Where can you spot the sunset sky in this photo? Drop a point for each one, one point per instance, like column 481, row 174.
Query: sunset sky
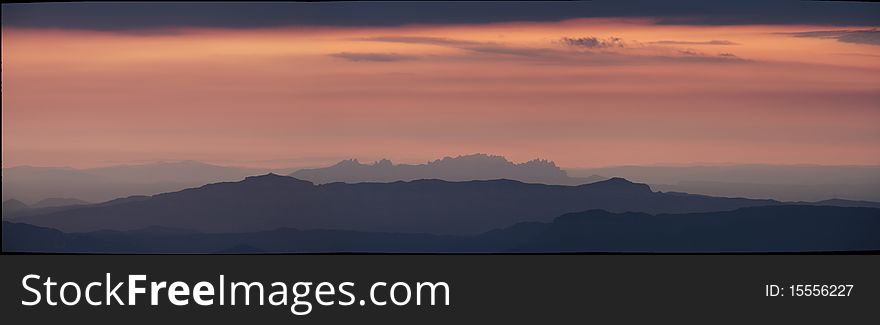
column 582, row 89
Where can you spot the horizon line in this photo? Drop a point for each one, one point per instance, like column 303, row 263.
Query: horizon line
column 404, row 162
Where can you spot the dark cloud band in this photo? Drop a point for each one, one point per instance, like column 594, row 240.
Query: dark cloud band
column 128, row 16
column 869, row 36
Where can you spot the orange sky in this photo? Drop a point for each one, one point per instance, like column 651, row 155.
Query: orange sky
column 289, row 97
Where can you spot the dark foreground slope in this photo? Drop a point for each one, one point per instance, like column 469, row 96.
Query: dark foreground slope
column 425, row 206
column 786, row 228
column 757, row 229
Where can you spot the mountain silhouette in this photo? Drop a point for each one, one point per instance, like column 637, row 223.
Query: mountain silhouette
column 783, row 228
column 461, row 168
column 788, row 228
column 423, row 206
column 32, row 184
column 848, row 203
column 64, row 205
column 12, row 206
column 53, row 202
column 779, row 182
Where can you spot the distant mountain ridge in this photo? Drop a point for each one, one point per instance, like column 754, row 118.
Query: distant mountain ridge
column 13, row 206
column 422, row 206
column 784, row 228
column 33, row 184
column 460, row 168
column 53, row 202
column 779, row 182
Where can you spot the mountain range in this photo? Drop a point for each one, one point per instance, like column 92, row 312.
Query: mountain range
column 33, row 184
column 274, row 213
column 30, row 185
column 783, row 228
column 461, row 168
column 271, row 201
column 780, row 182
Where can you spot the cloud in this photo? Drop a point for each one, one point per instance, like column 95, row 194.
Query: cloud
column 373, row 57
column 522, row 52
column 615, row 50
column 725, row 57
column 694, row 56
column 712, row 42
column 690, row 52
column 594, row 42
column 471, row 46
column 863, row 36
column 633, row 51
column 144, row 15
column 442, row 41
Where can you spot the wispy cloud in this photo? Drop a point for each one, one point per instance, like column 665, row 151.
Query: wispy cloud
column 712, row 42
column 694, row 56
column 565, row 50
column 471, row 46
column 863, row 36
column 442, row 41
column 594, row 42
column 633, row 50
column 373, row 57
column 690, row 52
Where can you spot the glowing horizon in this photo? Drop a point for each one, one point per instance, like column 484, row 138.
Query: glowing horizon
column 582, row 92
